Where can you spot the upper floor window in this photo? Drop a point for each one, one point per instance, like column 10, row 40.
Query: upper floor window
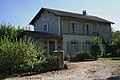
column 73, row 28
column 45, row 27
column 88, row 29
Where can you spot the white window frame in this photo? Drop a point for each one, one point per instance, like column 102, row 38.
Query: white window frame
column 46, row 27
column 89, row 31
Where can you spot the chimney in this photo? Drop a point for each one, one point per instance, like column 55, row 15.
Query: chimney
column 84, row 12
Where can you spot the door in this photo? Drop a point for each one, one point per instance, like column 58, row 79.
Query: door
column 51, row 47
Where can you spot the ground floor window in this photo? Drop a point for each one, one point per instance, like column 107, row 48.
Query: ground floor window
column 87, row 46
column 73, row 46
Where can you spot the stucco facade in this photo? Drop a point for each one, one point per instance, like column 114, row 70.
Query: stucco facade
column 76, row 30
column 51, row 20
column 81, row 38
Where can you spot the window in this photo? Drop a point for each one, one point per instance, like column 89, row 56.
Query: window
column 87, row 46
column 73, row 28
column 74, row 47
column 45, row 27
column 88, row 29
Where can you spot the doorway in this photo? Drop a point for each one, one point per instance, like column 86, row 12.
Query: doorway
column 51, row 47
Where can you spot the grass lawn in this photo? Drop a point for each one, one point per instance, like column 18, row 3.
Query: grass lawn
column 110, row 59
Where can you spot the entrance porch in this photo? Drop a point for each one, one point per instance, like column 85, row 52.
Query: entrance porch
column 50, row 45
column 46, row 41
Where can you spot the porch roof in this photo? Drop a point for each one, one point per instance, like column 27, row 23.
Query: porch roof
column 38, row 34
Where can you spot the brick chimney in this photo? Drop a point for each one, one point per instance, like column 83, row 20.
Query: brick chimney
column 84, row 12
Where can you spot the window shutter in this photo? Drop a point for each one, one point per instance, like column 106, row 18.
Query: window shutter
column 68, row 47
column 94, row 30
column 78, row 28
column 83, row 46
column 70, row 28
column 79, row 46
column 83, row 29
column 66, row 27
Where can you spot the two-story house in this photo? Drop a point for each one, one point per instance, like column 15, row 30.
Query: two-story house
column 72, row 32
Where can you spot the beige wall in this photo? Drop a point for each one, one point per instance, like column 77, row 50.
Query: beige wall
column 80, row 25
column 100, row 28
column 44, row 44
column 105, row 30
column 51, row 19
column 80, row 38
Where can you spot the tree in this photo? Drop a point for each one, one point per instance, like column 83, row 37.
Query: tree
column 9, row 31
column 116, row 39
column 96, row 47
column 116, row 43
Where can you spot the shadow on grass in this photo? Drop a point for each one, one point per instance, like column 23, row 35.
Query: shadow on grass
column 22, row 74
column 114, row 78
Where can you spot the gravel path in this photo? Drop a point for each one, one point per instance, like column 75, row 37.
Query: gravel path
column 94, row 70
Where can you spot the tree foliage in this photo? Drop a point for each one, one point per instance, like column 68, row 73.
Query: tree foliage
column 116, row 43
column 96, row 47
column 116, row 39
column 9, row 31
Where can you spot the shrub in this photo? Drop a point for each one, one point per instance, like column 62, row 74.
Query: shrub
column 19, row 56
column 66, row 58
column 81, row 56
column 51, row 63
column 22, row 55
column 118, row 52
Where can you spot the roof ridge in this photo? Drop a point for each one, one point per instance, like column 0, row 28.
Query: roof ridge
column 69, row 14
column 63, row 11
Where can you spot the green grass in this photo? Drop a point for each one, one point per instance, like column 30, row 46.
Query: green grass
column 104, row 59
column 109, row 59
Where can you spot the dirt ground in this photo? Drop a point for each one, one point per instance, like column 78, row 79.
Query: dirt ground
column 92, row 70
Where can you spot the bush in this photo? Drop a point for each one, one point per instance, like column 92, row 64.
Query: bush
column 19, row 56
column 81, row 56
column 66, row 58
column 22, row 55
column 51, row 63
column 118, row 52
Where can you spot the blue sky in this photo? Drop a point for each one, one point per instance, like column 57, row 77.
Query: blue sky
column 21, row 12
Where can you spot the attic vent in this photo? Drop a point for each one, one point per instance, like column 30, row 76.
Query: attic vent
column 84, row 12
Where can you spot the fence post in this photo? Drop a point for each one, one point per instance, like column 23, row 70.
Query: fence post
column 60, row 56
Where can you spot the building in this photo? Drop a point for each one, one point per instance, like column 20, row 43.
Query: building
column 72, row 32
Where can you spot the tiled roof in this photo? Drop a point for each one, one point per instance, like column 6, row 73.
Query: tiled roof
column 69, row 14
column 40, row 35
